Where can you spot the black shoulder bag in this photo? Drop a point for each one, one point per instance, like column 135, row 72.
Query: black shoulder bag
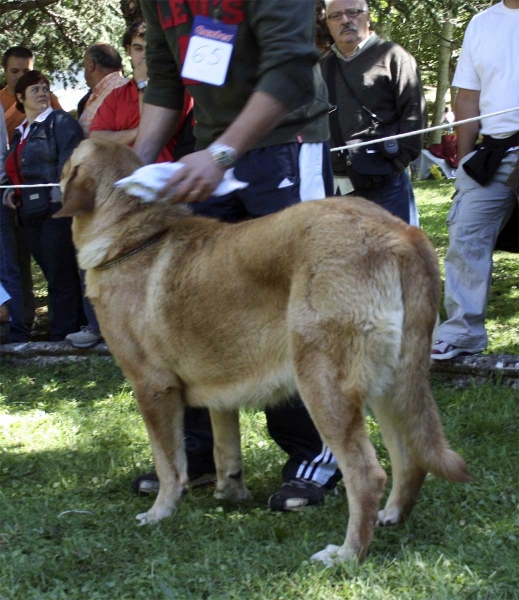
column 368, row 167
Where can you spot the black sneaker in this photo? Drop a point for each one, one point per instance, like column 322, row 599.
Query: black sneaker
column 148, row 484
column 296, row 494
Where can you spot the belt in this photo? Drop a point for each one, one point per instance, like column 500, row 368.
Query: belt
column 508, row 142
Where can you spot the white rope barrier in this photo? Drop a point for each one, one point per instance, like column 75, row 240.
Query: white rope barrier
column 420, row 131
column 32, row 185
column 359, row 145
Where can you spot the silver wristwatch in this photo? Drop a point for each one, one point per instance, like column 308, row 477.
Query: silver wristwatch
column 224, row 156
column 142, row 85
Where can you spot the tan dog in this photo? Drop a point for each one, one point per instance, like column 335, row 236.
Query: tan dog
column 336, row 299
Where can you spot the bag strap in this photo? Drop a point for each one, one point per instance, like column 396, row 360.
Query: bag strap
column 332, row 92
column 335, row 126
column 374, row 118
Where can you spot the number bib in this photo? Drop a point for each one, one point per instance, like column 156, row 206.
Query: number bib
column 209, row 51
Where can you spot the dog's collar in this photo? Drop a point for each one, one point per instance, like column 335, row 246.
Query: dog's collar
column 153, row 240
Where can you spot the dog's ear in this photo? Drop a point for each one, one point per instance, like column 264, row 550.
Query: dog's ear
column 80, row 192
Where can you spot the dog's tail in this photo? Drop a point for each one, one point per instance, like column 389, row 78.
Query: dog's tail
column 416, row 411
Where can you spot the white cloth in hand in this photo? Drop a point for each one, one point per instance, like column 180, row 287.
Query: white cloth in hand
column 148, row 182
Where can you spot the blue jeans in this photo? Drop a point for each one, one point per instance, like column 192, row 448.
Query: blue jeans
column 10, row 278
column 397, row 197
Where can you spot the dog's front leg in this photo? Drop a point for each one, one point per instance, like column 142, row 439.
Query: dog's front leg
column 227, row 455
column 163, row 414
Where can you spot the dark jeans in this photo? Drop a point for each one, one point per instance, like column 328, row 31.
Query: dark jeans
column 50, row 241
column 290, row 425
column 397, row 197
column 23, row 260
column 87, row 306
column 10, row 277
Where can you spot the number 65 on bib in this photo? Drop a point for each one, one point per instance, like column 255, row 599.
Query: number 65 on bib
column 209, row 51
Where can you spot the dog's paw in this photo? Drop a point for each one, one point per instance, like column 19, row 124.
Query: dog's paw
column 336, row 555
column 233, row 494
column 329, row 556
column 144, row 519
column 389, row 517
column 153, row 516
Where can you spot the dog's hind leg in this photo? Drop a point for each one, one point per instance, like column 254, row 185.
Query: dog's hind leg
column 408, row 475
column 227, row 455
column 163, row 414
column 336, row 405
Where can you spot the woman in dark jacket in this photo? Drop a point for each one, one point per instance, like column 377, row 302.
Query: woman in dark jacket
column 40, row 147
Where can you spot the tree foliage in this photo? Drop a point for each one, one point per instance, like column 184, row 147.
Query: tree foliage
column 417, row 26
column 58, row 31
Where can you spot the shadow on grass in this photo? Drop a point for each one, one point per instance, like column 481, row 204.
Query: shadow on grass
column 26, row 388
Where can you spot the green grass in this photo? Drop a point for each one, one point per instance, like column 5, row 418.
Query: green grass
column 71, row 438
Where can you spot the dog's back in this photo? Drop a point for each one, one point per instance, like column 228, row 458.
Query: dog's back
column 236, row 295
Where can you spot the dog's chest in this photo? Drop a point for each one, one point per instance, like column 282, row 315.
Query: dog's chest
column 256, row 388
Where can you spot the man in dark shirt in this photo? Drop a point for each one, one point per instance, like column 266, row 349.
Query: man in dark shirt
column 263, row 111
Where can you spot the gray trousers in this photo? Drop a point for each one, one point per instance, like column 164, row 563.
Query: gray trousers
column 475, row 219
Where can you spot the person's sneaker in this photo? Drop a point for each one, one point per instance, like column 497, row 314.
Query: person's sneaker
column 85, row 338
column 148, row 484
column 444, row 351
column 296, row 494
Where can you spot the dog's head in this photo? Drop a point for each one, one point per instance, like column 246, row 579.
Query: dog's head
column 88, row 175
column 89, row 195
column 78, row 190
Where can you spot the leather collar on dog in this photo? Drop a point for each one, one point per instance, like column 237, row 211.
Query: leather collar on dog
column 153, row 240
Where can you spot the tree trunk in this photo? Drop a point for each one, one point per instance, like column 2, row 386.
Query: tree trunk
column 454, row 90
column 444, row 59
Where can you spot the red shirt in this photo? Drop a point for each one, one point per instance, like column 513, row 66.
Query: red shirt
column 10, row 165
column 120, row 111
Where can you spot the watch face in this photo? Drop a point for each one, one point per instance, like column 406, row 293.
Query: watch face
column 226, row 159
column 223, row 156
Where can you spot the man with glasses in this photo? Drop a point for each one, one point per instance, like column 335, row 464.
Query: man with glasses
column 376, row 87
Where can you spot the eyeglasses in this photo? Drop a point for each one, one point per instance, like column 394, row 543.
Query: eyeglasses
column 351, row 14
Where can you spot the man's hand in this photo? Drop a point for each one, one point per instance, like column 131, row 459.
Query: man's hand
column 10, row 199
column 197, row 180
